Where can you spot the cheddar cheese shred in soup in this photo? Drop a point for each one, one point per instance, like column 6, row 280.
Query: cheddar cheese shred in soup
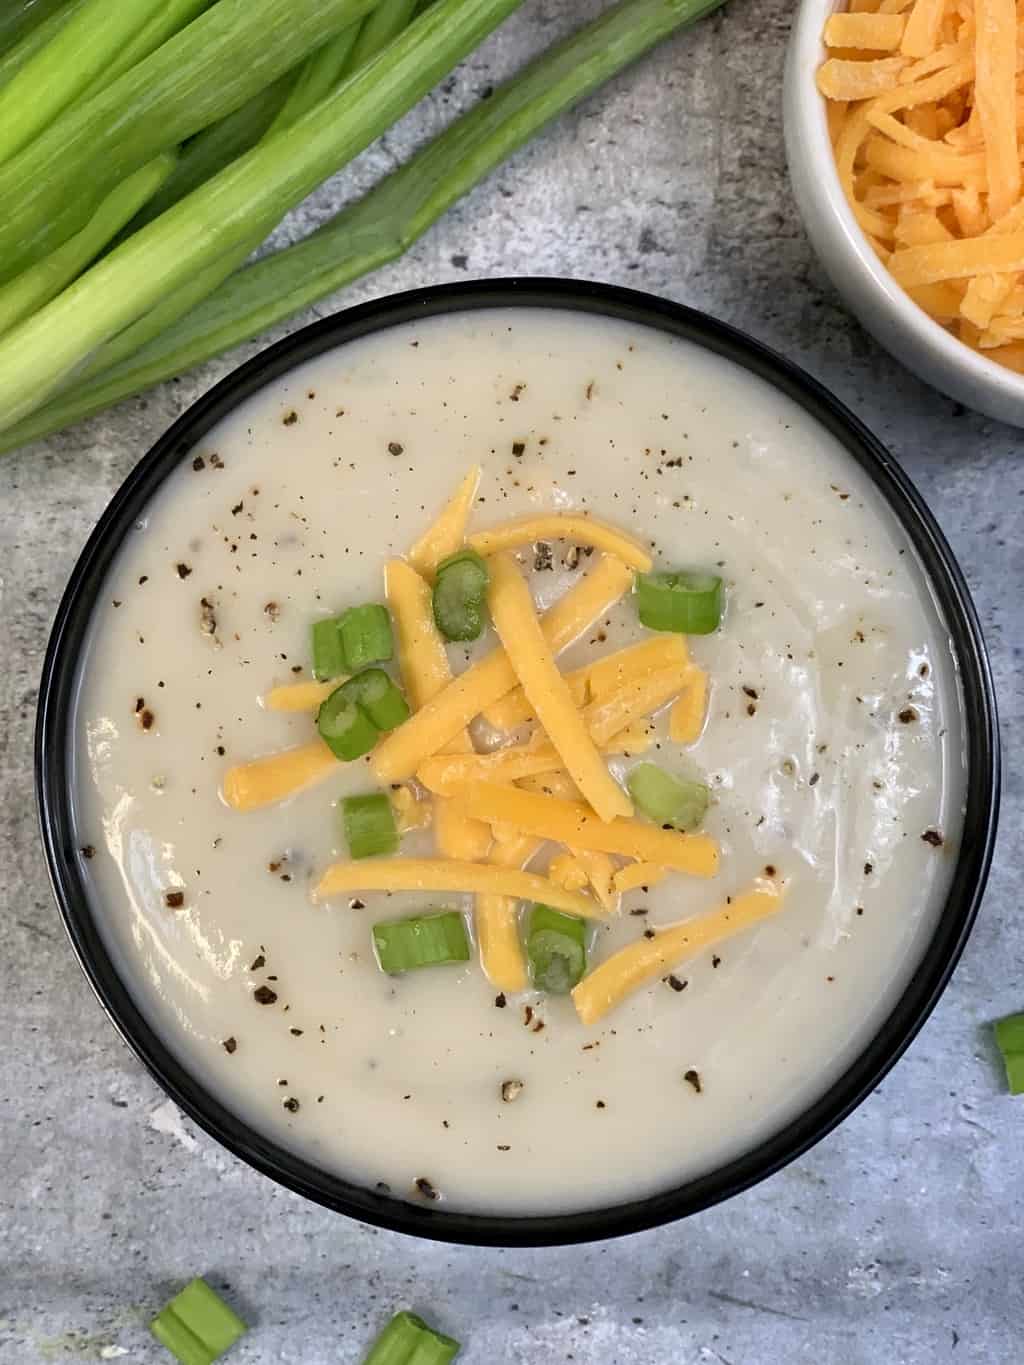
column 519, row 757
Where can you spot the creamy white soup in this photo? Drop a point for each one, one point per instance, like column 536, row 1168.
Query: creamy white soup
column 831, row 747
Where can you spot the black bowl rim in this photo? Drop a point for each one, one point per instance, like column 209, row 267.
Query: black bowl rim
column 894, row 1035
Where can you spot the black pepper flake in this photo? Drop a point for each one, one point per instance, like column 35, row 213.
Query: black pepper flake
column 542, row 557
column 238, row 507
column 527, row 1015
column 600, row 1105
column 263, row 995
column 499, row 1001
column 716, row 960
column 425, row 1188
column 174, row 900
column 183, row 570
column 198, row 463
column 814, row 779
column 751, row 709
column 87, row 851
column 295, row 1032
column 395, row 448
column 518, row 448
column 144, row 578
column 675, row 983
column 750, row 692
column 868, row 869
column 272, row 610
column 146, row 718
column 291, row 1104
column 356, row 904
column 933, row 837
column 908, row 715
column 589, row 390
column 216, row 461
column 230, row 1045
column 769, row 869
column 504, row 1147
column 642, row 910
column 257, row 962
column 290, row 418
column 649, row 933
column 140, row 702
column 517, row 393
column 692, row 1077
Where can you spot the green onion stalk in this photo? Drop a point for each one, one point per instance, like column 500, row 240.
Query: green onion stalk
column 382, row 225
column 236, row 48
column 40, row 352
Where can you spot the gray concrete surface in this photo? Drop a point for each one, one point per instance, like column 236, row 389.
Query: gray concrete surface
column 896, row 1240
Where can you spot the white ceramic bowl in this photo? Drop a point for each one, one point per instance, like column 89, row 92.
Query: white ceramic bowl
column 866, row 286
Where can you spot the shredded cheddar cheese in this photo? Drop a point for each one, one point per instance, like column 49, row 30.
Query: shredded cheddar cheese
column 300, row 696
column 636, row 875
column 449, row 531
column 497, row 919
column 650, row 958
column 927, row 132
column 449, row 874
column 429, row 729
column 516, row 622
column 575, row 825
column 267, row 780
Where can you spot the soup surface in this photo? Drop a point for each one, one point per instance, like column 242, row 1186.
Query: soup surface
column 832, row 748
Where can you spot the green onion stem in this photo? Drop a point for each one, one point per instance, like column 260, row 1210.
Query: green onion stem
column 387, row 221
column 1010, row 1039
column 407, row 1340
column 61, row 70
column 24, row 34
column 44, row 280
column 197, row 1326
column 45, row 348
column 425, row 941
column 170, row 17
column 317, row 76
column 215, row 147
column 379, row 27
column 21, row 17
column 369, row 825
column 210, row 151
column 209, row 68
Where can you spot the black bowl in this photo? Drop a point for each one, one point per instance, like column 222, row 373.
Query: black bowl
column 54, row 739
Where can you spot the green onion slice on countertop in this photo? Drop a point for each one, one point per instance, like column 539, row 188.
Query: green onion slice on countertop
column 667, row 799
column 345, row 727
column 460, row 591
column 555, row 949
column 378, row 696
column 1010, row 1038
column 684, row 602
column 369, row 825
column 407, row 1340
column 423, row 941
column 197, row 1326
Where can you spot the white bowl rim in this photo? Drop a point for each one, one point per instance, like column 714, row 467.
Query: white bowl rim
column 805, row 56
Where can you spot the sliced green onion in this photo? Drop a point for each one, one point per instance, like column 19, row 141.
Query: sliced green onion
column 345, row 727
column 197, row 1326
column 425, row 941
column 366, row 235
column 407, row 1340
column 369, row 824
column 556, row 949
column 460, row 594
column 688, row 603
column 667, row 799
column 378, row 696
column 1010, row 1038
column 328, row 653
column 366, row 635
